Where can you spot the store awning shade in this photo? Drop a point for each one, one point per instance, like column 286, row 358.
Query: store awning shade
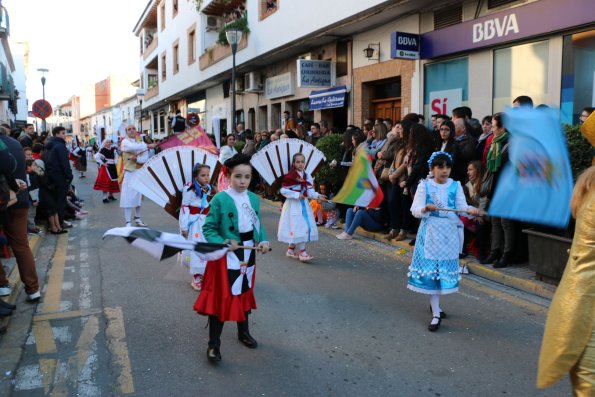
column 328, row 99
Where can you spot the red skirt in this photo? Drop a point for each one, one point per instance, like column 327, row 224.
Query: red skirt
column 216, row 299
column 104, row 182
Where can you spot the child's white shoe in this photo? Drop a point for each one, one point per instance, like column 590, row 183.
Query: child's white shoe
column 291, row 253
column 305, row 257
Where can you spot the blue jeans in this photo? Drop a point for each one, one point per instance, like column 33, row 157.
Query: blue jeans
column 360, row 218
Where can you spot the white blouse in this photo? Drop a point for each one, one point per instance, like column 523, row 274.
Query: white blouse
column 227, row 152
column 242, row 201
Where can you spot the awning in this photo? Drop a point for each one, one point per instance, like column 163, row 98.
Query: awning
column 328, row 99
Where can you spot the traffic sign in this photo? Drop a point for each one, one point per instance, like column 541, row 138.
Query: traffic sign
column 42, row 109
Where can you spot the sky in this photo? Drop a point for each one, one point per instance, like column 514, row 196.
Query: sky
column 79, row 41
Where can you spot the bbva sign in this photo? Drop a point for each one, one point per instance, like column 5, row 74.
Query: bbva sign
column 495, row 27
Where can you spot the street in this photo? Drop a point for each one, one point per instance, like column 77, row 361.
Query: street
column 113, row 321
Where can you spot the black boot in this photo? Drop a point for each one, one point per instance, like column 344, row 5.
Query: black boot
column 492, row 258
column 503, row 262
column 213, row 354
column 244, row 334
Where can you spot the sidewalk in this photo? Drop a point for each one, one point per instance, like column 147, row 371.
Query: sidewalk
column 518, row 276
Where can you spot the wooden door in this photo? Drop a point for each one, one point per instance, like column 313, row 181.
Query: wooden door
column 387, row 108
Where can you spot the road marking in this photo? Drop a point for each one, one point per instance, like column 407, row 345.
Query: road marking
column 28, row 378
column 116, row 343
column 44, row 337
column 84, row 347
column 47, row 368
column 522, row 303
column 65, row 315
column 59, row 388
column 53, row 293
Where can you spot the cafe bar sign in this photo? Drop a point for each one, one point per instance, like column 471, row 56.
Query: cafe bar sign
column 315, row 73
column 279, row 86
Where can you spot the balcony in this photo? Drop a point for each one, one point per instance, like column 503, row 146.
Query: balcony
column 218, row 52
column 152, row 91
column 150, row 47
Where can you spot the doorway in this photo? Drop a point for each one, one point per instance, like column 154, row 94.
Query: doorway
column 387, row 108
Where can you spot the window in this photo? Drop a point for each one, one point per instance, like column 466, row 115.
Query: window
column 267, row 8
column 498, row 3
column 162, row 12
column 163, row 67
column 176, row 58
column 174, row 7
column 578, row 76
column 445, row 85
column 448, row 16
column 342, row 65
column 192, row 44
column 521, row 70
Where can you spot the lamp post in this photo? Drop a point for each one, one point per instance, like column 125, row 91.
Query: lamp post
column 234, row 36
column 140, row 93
column 43, row 71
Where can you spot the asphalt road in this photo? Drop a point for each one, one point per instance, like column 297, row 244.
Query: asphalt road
column 115, row 322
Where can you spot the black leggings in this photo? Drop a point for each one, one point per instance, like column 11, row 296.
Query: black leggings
column 216, row 328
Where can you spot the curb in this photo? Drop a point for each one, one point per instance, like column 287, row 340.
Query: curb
column 14, row 279
column 534, row 287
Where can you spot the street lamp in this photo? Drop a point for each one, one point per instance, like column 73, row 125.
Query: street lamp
column 140, row 93
column 43, row 71
column 234, row 36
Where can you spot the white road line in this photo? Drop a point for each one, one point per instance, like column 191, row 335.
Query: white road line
column 67, row 285
column 28, row 378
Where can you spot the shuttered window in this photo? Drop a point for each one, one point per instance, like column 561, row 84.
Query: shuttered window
column 448, row 16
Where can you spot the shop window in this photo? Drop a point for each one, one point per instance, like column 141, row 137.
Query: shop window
column 390, row 89
column 267, row 8
column 520, row 70
column 342, row 65
column 199, row 107
column 176, row 58
column 446, row 86
column 448, row 16
column 251, row 119
column 226, row 85
column 578, row 76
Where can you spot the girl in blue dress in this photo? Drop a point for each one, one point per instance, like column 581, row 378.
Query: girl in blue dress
column 434, row 268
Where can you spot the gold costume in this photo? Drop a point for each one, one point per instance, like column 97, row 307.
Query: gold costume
column 569, row 338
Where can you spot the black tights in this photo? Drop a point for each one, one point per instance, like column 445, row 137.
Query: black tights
column 216, row 327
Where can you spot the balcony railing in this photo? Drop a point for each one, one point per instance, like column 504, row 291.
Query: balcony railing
column 218, row 52
column 151, row 92
column 150, row 48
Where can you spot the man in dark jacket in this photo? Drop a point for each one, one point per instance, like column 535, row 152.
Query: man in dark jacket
column 29, row 137
column 58, row 169
column 466, row 151
column 16, row 227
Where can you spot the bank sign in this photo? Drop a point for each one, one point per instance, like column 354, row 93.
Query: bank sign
column 534, row 19
column 404, row 45
column 315, row 73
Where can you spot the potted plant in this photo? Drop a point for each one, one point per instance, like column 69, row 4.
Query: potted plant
column 549, row 247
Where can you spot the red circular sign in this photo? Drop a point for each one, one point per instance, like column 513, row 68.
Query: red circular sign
column 42, row 109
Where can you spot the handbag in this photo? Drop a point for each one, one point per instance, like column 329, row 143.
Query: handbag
column 385, row 174
column 7, row 196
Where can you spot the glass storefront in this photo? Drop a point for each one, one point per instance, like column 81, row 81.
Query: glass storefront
column 521, row 70
column 446, row 86
column 578, row 75
column 199, row 107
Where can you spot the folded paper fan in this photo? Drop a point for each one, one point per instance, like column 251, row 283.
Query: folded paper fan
column 163, row 177
column 274, row 160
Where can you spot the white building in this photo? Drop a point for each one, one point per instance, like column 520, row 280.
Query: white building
column 8, row 75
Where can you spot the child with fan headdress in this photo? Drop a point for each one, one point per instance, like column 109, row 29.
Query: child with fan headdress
column 196, row 196
column 434, row 267
column 297, row 225
column 227, row 290
column 107, row 177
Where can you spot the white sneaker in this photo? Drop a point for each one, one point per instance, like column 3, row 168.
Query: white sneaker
column 5, row 290
column 344, row 236
column 128, row 224
column 138, row 222
column 34, row 297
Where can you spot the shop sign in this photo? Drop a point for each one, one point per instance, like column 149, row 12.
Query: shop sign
column 534, row 19
column 443, row 102
column 315, row 73
column 404, row 45
column 328, row 99
column 279, row 86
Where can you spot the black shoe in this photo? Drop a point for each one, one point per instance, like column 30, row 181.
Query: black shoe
column 503, row 262
column 105, row 201
column 492, row 258
column 213, row 354
column 247, row 340
column 442, row 314
column 62, row 231
column 434, row 327
column 412, row 242
column 112, row 198
column 7, row 305
column 4, row 312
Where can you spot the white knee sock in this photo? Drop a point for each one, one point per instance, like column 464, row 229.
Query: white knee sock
column 302, row 246
column 435, row 303
column 104, row 195
column 128, row 214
